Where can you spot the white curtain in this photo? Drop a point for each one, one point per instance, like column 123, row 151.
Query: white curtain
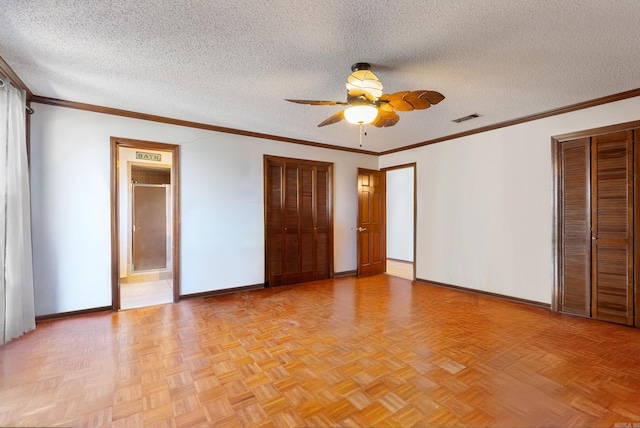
column 17, row 313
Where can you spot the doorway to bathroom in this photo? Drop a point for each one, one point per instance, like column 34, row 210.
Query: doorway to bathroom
column 144, row 232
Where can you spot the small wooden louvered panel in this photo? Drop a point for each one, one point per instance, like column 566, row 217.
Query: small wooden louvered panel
column 298, row 221
column 575, row 217
column 323, row 223
column 307, row 223
column 612, row 226
column 274, row 213
column 291, row 225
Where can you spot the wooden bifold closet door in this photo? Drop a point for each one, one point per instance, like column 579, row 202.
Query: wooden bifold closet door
column 298, row 219
column 597, row 227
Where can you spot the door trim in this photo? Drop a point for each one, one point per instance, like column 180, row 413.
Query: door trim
column 413, row 165
column 555, row 207
column 116, row 143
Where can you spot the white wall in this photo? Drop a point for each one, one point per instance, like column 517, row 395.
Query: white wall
column 484, row 203
column 483, row 222
column 400, row 214
column 221, row 204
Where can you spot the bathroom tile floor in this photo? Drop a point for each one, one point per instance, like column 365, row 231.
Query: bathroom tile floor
column 400, row 268
column 141, row 294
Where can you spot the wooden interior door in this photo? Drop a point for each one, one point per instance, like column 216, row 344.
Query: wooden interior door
column 149, row 234
column 575, row 227
column 371, row 222
column 612, row 227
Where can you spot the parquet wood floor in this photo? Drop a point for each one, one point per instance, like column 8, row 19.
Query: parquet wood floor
column 379, row 351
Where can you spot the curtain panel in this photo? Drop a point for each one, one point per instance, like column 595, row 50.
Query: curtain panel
column 17, row 313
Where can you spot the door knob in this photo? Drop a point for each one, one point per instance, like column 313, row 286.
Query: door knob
column 594, row 238
column 362, row 229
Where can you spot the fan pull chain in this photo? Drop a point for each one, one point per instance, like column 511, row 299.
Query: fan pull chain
column 363, row 130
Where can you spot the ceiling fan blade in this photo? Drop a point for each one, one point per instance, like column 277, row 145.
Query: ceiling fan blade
column 385, row 106
column 433, row 96
column 396, row 100
column 386, row 118
column 333, row 119
column 412, row 100
column 319, row 103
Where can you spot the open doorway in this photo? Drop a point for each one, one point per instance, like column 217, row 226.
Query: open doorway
column 144, row 224
column 400, row 220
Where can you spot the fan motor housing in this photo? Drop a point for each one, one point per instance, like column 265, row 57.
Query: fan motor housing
column 358, row 100
column 360, row 66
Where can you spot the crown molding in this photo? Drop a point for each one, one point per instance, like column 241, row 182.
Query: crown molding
column 561, row 110
column 189, row 124
column 161, row 119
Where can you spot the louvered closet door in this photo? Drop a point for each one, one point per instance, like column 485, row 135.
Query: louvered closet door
column 314, row 222
column 298, row 218
column 597, row 227
column 575, row 227
column 612, row 227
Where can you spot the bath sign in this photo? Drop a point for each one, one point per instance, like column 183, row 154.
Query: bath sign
column 149, row 156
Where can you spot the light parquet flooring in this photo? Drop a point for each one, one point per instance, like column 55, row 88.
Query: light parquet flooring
column 378, row 351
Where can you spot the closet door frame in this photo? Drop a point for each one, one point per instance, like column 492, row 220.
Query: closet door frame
column 556, row 208
column 284, row 161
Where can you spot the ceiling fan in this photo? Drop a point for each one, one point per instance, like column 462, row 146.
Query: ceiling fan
column 367, row 104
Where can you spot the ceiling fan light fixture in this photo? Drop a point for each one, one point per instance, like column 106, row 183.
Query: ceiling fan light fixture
column 361, row 115
column 366, row 104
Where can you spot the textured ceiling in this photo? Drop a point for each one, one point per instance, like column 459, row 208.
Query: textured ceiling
column 231, row 63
